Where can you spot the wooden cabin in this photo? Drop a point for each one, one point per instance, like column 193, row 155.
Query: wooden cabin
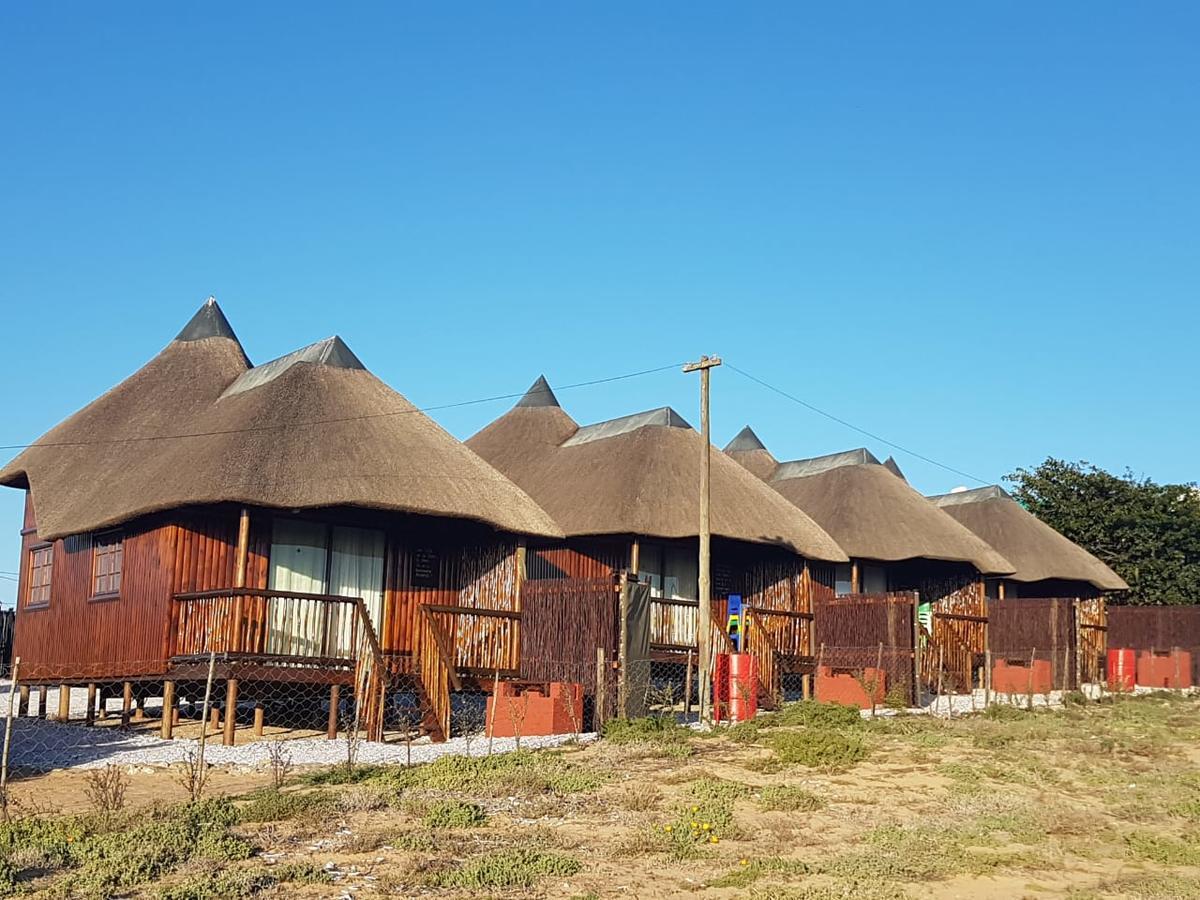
column 897, row 542
column 290, row 527
column 625, row 493
column 1048, row 565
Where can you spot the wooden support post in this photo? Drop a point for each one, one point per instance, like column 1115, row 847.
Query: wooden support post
column 855, row 580
column 259, row 718
column 41, row 704
column 168, row 710
column 126, row 703
column 1000, row 590
column 139, row 710
column 214, row 718
column 704, row 582
column 599, row 701
column 90, row 716
column 335, row 698
column 239, row 581
column 805, row 687
column 101, row 702
column 635, row 555
column 64, row 702
column 687, row 689
column 231, row 695
column 23, row 702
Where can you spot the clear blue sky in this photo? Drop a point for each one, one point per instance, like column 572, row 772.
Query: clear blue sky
column 974, row 231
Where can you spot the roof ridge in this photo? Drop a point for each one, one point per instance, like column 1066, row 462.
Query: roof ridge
column 539, row 395
column 331, row 352
column 208, row 321
column 973, row 495
column 815, row 465
column 662, row 416
column 745, row 440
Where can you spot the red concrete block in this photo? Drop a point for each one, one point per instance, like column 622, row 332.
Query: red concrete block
column 1014, row 676
column 537, row 709
column 1164, row 669
column 1122, row 669
column 735, row 687
column 842, row 686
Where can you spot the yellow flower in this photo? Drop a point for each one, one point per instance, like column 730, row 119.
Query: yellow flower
column 713, row 839
column 666, row 828
column 695, row 809
column 695, row 824
column 743, row 862
column 706, row 826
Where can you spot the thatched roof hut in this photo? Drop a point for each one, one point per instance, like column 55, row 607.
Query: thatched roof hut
column 637, row 475
column 314, row 428
column 1038, row 552
column 867, row 507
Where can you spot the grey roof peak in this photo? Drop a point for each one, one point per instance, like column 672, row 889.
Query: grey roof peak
column 894, row 467
column 745, row 440
column 801, row 468
column 976, row 495
column 331, row 352
column 538, row 395
column 208, row 322
column 663, row 417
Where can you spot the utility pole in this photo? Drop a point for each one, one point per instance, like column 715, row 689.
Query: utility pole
column 704, row 612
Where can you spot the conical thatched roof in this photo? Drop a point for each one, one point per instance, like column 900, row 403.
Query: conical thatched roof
column 871, row 513
column 749, row 451
column 1037, row 550
column 638, row 475
column 313, row 428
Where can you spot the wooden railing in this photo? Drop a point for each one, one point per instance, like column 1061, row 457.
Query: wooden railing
column 770, row 634
column 286, row 628
column 455, row 640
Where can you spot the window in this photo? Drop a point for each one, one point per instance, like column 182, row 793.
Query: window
column 107, row 555
column 312, row 558
column 41, row 568
column 672, row 571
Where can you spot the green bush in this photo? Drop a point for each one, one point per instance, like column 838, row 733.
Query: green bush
column 819, row 748
column 520, row 867
column 240, row 883
column 271, row 805
column 646, row 730
column 455, row 814
column 788, row 798
column 814, row 715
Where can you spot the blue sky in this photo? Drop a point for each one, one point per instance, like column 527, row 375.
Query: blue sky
column 973, row 231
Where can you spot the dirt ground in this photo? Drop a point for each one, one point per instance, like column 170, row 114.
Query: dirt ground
column 1097, row 800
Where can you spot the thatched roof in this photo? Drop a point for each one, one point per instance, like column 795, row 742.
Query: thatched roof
column 638, row 475
column 313, row 428
column 1037, row 550
column 869, row 511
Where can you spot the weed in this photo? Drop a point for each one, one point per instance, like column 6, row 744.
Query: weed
column 280, row 760
column 663, row 734
column 455, row 814
column 719, row 790
column 105, row 790
column 820, row 748
column 814, row 715
column 270, row 805
column 512, row 868
column 1164, row 849
column 239, row 883
column 788, row 798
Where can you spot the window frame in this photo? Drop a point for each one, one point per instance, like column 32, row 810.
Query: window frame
column 29, row 585
column 113, row 536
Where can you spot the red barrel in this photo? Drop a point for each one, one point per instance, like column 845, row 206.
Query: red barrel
column 1122, row 669
column 743, row 686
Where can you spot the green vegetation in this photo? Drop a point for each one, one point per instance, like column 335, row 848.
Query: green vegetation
column 513, row 868
column 455, row 814
column 241, row 883
column 820, row 748
column 788, row 798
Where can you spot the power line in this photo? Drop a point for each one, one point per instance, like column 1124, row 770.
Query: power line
column 853, row 427
column 314, row 422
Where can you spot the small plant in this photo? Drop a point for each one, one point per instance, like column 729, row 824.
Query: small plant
column 815, row 714
column 408, row 723
column 820, row 748
column 520, row 867
column 455, row 814
column 193, row 775
column 518, row 707
column 351, row 741
column 574, row 716
column 788, row 798
column 471, row 724
column 105, row 791
column 280, row 760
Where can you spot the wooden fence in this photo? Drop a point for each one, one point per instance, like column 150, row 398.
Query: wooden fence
column 1156, row 628
column 859, row 631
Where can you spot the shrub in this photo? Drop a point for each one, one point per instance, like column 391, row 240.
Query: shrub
column 815, row 715
column 788, row 798
column 271, row 805
column 455, row 814
column 238, row 883
column 820, row 748
column 520, row 867
column 649, row 730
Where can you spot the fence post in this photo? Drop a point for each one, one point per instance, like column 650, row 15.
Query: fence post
column 687, row 689
column 916, row 625
column 212, row 664
column 16, row 670
column 598, row 702
column 623, row 670
column 168, row 710
column 987, row 677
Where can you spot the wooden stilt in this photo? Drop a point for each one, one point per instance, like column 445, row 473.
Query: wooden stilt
column 41, row 706
column 90, row 715
column 126, row 703
column 231, row 693
column 101, row 702
column 23, row 702
column 169, row 710
column 806, row 687
column 214, row 718
column 139, row 711
column 331, row 727
column 64, row 702
column 259, row 716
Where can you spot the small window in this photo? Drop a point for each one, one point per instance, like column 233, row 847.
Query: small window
column 106, row 565
column 41, row 568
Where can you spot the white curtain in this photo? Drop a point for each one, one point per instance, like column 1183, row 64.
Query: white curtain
column 681, row 567
column 298, row 558
column 356, row 570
